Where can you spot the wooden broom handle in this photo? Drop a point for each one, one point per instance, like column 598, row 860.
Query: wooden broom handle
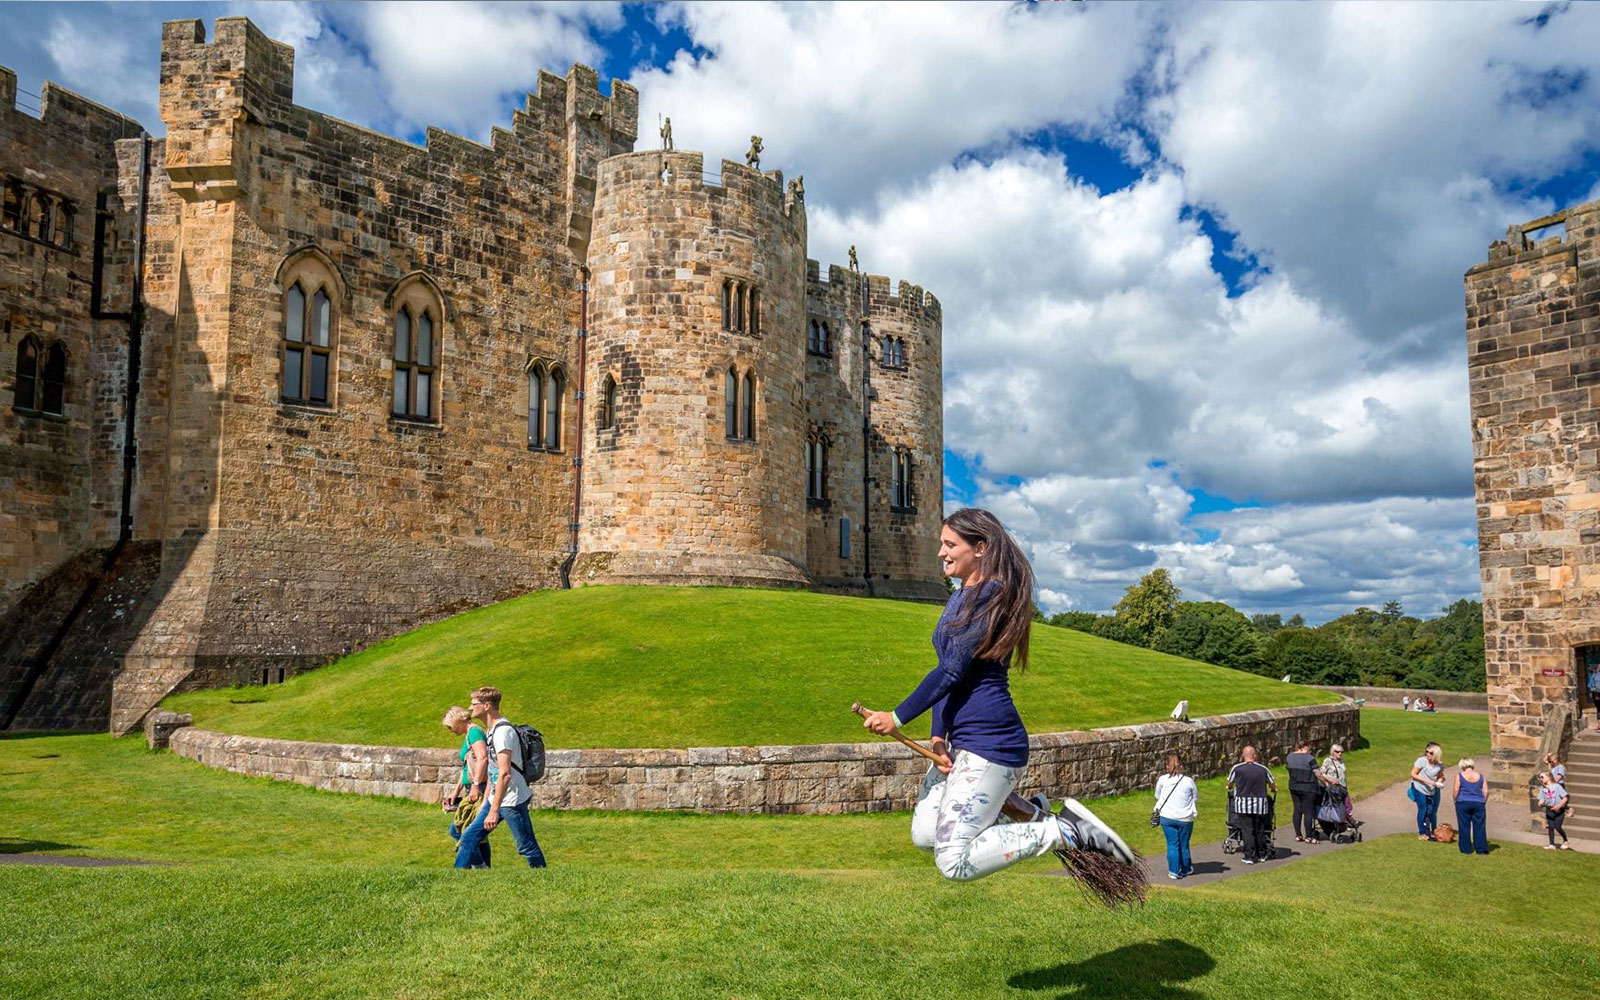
column 1015, row 807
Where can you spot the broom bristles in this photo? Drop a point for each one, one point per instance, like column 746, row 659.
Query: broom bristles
column 1105, row 880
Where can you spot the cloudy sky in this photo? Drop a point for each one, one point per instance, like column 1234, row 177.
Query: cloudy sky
column 1201, row 264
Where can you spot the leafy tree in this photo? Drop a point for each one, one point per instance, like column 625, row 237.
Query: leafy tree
column 1391, row 611
column 1310, row 657
column 1111, row 627
column 1148, row 607
column 1266, row 624
column 1080, row 621
column 1212, row 632
column 1295, row 621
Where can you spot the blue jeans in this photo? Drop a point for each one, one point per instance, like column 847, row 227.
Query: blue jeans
column 1471, row 837
column 1427, row 814
column 521, row 827
column 482, row 860
column 1177, row 833
column 472, row 842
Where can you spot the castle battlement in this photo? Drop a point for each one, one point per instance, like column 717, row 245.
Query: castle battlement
column 840, row 292
column 66, row 116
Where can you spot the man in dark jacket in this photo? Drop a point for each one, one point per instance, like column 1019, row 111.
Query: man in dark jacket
column 1253, row 789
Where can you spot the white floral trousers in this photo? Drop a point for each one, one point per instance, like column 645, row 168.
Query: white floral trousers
column 958, row 819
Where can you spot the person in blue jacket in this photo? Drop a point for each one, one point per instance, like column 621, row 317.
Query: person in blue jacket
column 981, row 636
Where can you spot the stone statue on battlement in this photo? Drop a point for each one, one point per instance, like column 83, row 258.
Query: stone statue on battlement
column 753, row 158
column 666, row 135
column 855, row 262
column 797, row 187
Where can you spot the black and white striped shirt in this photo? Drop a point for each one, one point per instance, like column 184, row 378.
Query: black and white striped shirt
column 1250, row 782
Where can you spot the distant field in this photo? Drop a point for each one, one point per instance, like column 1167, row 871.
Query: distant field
column 680, row 667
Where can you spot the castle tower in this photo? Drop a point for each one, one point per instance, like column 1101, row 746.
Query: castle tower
column 1533, row 350
column 694, row 468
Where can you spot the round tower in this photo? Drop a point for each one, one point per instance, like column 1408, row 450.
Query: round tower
column 694, row 444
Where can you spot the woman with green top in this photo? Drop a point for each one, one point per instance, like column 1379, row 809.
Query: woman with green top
column 475, row 777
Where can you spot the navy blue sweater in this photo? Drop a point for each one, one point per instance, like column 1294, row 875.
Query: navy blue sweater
column 970, row 698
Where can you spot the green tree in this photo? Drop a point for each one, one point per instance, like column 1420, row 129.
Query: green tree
column 1295, row 621
column 1391, row 611
column 1111, row 627
column 1266, row 624
column 1310, row 657
column 1080, row 621
column 1148, row 607
column 1212, row 632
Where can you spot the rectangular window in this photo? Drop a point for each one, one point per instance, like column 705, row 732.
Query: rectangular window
column 844, row 538
column 401, row 377
column 319, row 377
column 293, row 373
column 424, row 406
column 425, row 340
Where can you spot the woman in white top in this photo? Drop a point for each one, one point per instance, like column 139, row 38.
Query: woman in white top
column 1176, row 797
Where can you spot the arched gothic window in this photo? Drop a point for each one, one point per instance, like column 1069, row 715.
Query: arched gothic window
column 535, row 405
column 748, row 424
column 307, row 346
column 11, row 216
column 727, row 305
column 608, row 405
column 738, row 306
column 902, row 495
column 310, row 335
column 731, row 402
column 55, row 380
column 64, row 217
column 25, row 395
column 812, row 333
column 826, row 347
column 817, row 467
column 417, row 319
column 41, row 216
column 555, row 394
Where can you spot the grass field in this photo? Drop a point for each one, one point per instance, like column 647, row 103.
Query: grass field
column 279, row 891
column 678, row 667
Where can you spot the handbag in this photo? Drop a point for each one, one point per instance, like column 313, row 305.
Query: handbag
column 1155, row 814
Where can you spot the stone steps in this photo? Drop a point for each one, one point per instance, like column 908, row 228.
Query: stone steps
column 1583, row 787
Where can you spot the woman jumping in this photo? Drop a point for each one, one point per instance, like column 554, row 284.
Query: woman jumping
column 976, row 729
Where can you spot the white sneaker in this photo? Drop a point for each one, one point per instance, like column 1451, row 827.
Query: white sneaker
column 1249, row 861
column 1549, row 847
column 1174, row 876
column 1082, row 829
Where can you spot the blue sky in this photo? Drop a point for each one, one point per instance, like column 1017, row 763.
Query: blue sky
column 1200, row 264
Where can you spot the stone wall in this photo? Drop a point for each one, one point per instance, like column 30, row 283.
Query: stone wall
column 1464, row 701
column 1533, row 350
column 822, row 779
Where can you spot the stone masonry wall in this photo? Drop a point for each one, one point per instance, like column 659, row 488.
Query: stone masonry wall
column 60, row 475
column 822, row 779
column 833, row 410
column 1533, row 349
column 296, row 531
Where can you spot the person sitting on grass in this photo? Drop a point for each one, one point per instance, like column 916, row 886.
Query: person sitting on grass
column 508, row 798
column 467, row 798
column 1553, row 796
column 1471, row 801
column 1426, row 781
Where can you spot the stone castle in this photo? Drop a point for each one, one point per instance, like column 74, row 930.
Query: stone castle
column 275, row 386
column 1533, row 349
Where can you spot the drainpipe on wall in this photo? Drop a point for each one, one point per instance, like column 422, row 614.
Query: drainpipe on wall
column 134, row 317
column 866, row 437
column 577, row 459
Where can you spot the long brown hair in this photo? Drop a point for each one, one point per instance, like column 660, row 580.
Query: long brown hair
column 1174, row 764
column 1010, row 612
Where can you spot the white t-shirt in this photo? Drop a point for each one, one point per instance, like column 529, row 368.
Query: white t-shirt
column 503, row 738
column 1426, row 769
column 1180, row 804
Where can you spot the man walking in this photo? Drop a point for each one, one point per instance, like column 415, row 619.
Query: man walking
column 1253, row 788
column 508, row 797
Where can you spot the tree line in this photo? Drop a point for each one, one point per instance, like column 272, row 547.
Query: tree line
column 1383, row 648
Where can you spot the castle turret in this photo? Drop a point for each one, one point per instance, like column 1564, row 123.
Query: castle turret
column 694, row 464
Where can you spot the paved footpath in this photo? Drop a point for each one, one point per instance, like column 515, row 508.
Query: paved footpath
column 1388, row 811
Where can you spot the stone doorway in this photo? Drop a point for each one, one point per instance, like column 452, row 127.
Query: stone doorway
column 1588, row 664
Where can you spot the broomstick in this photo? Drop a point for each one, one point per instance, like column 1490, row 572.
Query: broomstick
column 1102, row 878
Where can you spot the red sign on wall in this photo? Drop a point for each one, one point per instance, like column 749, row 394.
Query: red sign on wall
column 1552, row 672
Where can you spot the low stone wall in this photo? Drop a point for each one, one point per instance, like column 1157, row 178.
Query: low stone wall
column 820, row 779
column 1464, row 701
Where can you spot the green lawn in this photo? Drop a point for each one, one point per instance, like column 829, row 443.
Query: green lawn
column 694, row 666
column 280, row 891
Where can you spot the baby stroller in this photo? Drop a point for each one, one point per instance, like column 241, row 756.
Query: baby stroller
column 1336, row 817
column 1234, row 842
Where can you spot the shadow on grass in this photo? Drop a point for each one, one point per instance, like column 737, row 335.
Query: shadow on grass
column 1147, row 971
column 16, row 845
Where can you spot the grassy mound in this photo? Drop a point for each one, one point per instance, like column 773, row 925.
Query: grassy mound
column 680, row 667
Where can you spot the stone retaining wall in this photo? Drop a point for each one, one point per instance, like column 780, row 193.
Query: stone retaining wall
column 820, row 779
column 1465, row 701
